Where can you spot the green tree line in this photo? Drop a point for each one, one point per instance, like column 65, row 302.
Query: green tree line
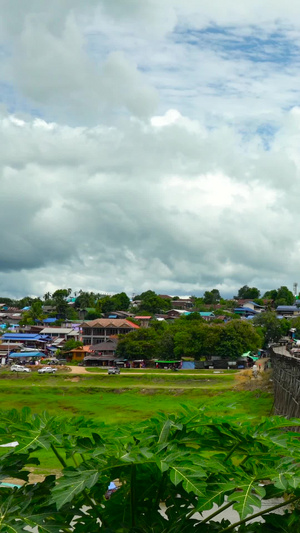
column 190, row 337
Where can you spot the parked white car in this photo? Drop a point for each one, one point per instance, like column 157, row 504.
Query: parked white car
column 47, row 370
column 19, row 368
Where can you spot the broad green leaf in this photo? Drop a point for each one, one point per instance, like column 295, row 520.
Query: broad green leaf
column 248, row 496
column 215, row 495
column 73, row 482
column 190, row 479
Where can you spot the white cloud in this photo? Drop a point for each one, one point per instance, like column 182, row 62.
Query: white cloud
column 149, row 144
column 86, row 210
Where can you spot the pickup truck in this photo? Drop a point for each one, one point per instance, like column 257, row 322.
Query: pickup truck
column 113, row 370
column 47, row 370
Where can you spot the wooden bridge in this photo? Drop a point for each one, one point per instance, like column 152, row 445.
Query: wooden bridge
column 286, row 378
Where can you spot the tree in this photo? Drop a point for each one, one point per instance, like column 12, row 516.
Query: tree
column 59, row 298
column 271, row 326
column 284, row 297
column 271, row 295
column 247, row 293
column 139, row 344
column 33, row 314
column 236, row 338
column 152, row 303
column 85, row 299
column 121, row 301
column 211, row 297
column 71, row 345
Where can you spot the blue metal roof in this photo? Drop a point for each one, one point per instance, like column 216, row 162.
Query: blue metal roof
column 287, row 308
column 256, row 305
column 49, row 320
column 24, row 337
column 246, row 309
column 26, row 354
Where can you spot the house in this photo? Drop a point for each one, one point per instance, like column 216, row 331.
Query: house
column 61, row 333
column 184, row 303
column 85, row 311
column 245, row 311
column 79, row 353
column 144, row 320
column 102, row 354
column 101, row 329
column 248, row 304
column 175, row 313
column 7, row 347
column 118, row 314
column 288, row 310
column 207, row 315
column 30, row 340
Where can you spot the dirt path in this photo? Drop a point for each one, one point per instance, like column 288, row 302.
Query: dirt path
column 82, row 370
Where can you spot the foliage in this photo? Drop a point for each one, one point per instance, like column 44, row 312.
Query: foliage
column 284, row 296
column 281, row 296
column 190, row 336
column 152, row 303
column 33, row 314
column 211, row 297
column 236, row 338
column 248, row 293
column 272, row 328
column 191, row 462
column 71, row 345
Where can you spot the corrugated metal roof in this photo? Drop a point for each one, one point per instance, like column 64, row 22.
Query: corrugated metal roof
column 23, row 337
column 63, row 331
column 287, row 308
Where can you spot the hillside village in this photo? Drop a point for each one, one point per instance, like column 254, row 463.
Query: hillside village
column 149, row 329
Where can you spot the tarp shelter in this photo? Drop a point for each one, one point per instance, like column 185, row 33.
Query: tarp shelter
column 188, row 365
column 248, row 354
column 26, row 354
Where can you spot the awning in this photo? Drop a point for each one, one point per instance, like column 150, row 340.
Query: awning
column 246, row 354
column 156, row 361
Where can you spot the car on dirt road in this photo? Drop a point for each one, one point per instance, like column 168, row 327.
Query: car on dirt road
column 19, row 368
column 113, row 370
column 47, row 370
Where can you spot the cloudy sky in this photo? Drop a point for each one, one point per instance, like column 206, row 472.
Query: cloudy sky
column 149, row 144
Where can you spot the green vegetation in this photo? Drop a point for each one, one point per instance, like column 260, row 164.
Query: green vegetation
column 189, row 336
column 191, row 462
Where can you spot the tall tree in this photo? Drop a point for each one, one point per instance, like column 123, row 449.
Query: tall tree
column 284, row 296
column 246, row 293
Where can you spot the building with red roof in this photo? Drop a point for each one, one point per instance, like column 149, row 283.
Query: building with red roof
column 101, row 329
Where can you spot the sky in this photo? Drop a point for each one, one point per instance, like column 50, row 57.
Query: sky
column 149, row 145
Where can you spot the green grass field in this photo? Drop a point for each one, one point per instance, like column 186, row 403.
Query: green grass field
column 117, row 399
column 127, row 398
